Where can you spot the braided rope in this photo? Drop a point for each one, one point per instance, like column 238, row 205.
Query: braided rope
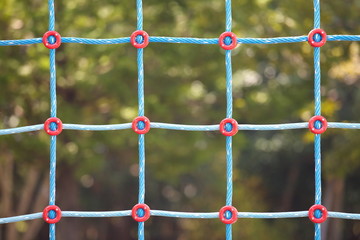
column 172, row 214
column 154, row 39
column 182, row 127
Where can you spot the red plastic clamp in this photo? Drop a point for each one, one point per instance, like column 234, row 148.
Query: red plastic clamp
column 46, row 214
column 47, row 126
column 222, row 40
column 144, row 207
column 234, row 129
column 234, row 214
column 46, row 41
column 139, row 33
column 311, row 35
column 143, row 119
column 324, row 124
column 324, row 213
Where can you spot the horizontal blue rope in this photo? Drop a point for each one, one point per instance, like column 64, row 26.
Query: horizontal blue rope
column 183, row 127
column 124, row 213
column 109, row 127
column 184, row 40
column 351, row 216
column 173, row 214
column 20, row 42
column 344, row 125
column 180, row 40
column 180, row 127
column 95, row 41
column 297, row 214
column 21, row 129
column 343, row 38
column 270, row 127
column 272, row 40
column 21, row 218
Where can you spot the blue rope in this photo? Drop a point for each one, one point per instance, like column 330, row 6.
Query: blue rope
column 52, row 170
column 154, row 39
column 139, row 15
column 95, row 41
column 174, row 214
column 229, row 166
column 179, row 127
column 343, row 38
column 229, row 99
column 140, row 64
column 141, row 168
column 52, row 177
column 228, row 16
column 317, row 147
column 229, row 110
column 316, row 13
column 317, row 81
column 317, row 102
column 141, row 106
column 20, row 42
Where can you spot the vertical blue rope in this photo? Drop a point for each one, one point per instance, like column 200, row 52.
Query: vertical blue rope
column 317, row 146
column 228, row 231
column 52, row 174
column 141, row 109
column 229, row 183
column 228, row 17
column 317, row 149
column 140, row 65
column 228, row 66
column 141, row 231
column 139, row 14
column 53, row 103
column 316, row 13
column 52, row 182
column 51, row 8
column 229, row 186
column 317, row 102
column 229, row 111
column 141, row 168
column 317, row 81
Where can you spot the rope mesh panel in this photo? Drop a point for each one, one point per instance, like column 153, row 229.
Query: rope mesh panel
column 141, row 212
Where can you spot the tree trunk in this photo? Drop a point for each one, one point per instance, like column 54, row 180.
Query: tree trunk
column 68, row 199
column 39, row 203
column 332, row 229
column 7, row 187
column 290, row 188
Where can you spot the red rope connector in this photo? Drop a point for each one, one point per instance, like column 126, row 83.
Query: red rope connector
column 234, row 214
column 311, row 39
column 234, row 129
column 46, row 214
column 136, row 128
column 324, row 213
column 146, row 210
column 45, row 39
column 233, row 40
column 58, row 129
column 145, row 41
column 324, row 124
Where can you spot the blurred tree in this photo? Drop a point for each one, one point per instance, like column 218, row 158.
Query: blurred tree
column 183, row 84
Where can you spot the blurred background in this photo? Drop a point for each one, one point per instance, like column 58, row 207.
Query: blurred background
column 185, row 84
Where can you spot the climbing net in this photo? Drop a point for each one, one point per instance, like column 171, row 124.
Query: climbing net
column 141, row 125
